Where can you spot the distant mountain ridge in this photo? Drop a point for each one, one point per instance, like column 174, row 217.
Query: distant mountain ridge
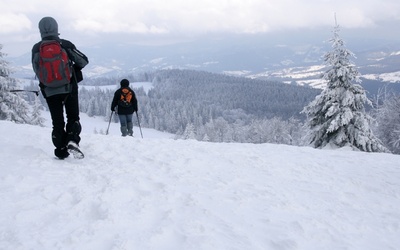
column 295, row 62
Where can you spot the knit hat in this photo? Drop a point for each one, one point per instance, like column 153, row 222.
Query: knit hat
column 124, row 83
column 48, row 27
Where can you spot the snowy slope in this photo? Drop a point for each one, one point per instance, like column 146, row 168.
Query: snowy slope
column 160, row 193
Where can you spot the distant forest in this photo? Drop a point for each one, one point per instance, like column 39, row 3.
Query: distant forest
column 210, row 107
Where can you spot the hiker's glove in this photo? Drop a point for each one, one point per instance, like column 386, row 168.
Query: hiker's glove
column 76, row 67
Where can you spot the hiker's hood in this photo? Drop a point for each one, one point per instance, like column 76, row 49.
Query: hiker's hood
column 48, row 27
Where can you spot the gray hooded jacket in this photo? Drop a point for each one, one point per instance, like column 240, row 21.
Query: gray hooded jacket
column 48, row 28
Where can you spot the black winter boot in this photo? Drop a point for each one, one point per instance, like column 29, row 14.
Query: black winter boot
column 73, row 148
column 61, row 153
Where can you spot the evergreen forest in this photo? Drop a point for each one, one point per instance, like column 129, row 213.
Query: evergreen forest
column 207, row 106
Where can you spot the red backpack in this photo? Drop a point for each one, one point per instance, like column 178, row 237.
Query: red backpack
column 54, row 67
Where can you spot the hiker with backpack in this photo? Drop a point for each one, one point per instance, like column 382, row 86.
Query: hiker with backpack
column 125, row 100
column 57, row 64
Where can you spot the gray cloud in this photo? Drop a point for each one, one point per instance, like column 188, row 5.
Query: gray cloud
column 175, row 19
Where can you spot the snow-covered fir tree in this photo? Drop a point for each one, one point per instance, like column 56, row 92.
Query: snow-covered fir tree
column 12, row 106
column 189, row 132
column 387, row 115
column 37, row 118
column 337, row 116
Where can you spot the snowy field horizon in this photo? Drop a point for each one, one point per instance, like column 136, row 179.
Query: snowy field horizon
column 161, row 193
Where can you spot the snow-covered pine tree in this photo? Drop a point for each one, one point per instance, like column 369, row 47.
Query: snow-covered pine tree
column 189, row 133
column 387, row 115
column 337, row 116
column 12, row 106
column 37, row 118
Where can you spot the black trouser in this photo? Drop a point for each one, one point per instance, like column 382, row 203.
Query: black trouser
column 60, row 135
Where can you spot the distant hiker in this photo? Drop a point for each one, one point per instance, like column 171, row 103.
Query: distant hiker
column 58, row 64
column 126, row 101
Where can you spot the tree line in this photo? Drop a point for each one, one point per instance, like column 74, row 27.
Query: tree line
column 220, row 108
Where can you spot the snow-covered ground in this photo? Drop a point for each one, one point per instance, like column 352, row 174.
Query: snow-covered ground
column 161, row 193
column 393, row 77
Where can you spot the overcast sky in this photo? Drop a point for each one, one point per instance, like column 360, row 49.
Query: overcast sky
column 88, row 22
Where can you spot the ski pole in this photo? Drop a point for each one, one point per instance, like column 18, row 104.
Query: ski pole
column 109, row 122
column 23, row 90
column 139, row 124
